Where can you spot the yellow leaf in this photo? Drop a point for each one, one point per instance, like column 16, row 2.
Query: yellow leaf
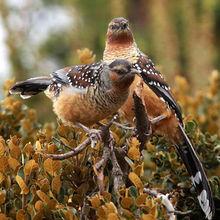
column 30, row 166
column 2, row 177
column 107, row 196
column 38, row 146
column 2, row 149
column 110, row 208
column 3, row 164
column 13, row 145
column 140, row 200
column 135, row 180
column 95, row 201
column 56, row 184
column 43, row 196
column 139, row 169
column 52, row 204
column 86, row 56
column 112, row 216
column 134, row 142
column 52, row 166
column 22, row 185
column 28, row 149
column 21, row 215
column 3, row 216
column 126, row 202
column 38, row 205
column 13, row 163
column 148, row 217
column 134, row 153
column 2, row 196
column 69, row 215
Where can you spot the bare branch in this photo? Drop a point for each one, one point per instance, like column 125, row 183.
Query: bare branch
column 71, row 153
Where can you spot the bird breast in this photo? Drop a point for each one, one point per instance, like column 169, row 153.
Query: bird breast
column 89, row 106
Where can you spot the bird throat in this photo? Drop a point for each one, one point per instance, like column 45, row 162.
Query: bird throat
column 120, row 50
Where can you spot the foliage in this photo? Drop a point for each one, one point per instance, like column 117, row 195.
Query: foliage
column 36, row 187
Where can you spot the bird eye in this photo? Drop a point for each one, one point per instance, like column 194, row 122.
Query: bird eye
column 113, row 27
column 121, row 72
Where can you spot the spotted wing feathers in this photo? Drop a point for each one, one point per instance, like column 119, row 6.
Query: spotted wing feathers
column 154, row 79
column 80, row 77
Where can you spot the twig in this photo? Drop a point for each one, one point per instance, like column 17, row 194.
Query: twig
column 71, row 153
column 143, row 124
column 123, row 126
column 165, row 201
column 60, row 142
column 116, row 173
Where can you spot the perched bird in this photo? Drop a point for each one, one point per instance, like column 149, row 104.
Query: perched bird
column 83, row 94
column 158, row 100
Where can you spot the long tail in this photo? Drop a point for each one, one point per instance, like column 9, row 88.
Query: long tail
column 30, row 87
column 198, row 175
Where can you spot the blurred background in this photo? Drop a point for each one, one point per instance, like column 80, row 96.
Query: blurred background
column 37, row 37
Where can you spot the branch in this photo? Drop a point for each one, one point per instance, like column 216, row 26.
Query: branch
column 71, row 153
column 143, row 124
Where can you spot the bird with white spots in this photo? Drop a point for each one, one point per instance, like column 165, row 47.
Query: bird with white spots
column 83, row 94
column 159, row 101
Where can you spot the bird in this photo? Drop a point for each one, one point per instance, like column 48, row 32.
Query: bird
column 83, row 94
column 159, row 101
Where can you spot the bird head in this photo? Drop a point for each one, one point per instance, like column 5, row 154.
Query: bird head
column 121, row 73
column 119, row 31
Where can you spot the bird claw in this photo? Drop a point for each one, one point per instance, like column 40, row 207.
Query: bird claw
column 95, row 136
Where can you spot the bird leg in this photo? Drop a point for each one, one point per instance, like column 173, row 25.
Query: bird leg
column 94, row 134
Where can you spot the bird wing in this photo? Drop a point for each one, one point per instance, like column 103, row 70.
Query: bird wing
column 79, row 76
column 154, row 79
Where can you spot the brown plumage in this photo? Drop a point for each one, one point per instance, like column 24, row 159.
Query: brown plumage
column 83, row 94
column 159, row 100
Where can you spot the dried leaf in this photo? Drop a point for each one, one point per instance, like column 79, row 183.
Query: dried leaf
column 13, row 163
column 28, row 150
column 3, row 216
column 95, row 201
column 86, row 56
column 43, row 196
column 56, row 184
column 21, row 215
column 2, row 149
column 134, row 153
column 3, row 164
column 2, row 177
column 38, row 146
column 148, row 217
column 13, row 145
column 2, row 196
column 38, row 205
column 22, row 185
column 52, row 166
column 126, row 202
column 112, row 216
column 30, row 166
column 135, row 180
column 140, row 200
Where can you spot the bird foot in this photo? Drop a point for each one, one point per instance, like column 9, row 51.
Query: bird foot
column 94, row 134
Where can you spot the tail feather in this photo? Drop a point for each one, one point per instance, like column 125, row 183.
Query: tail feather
column 30, row 87
column 198, row 176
